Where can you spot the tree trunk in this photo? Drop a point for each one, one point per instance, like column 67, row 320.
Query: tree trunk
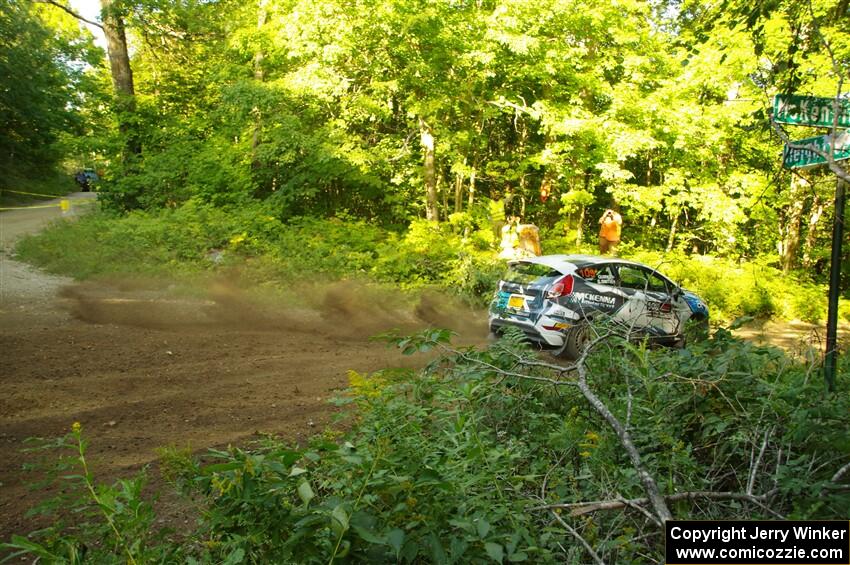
column 430, row 172
column 672, row 237
column 259, row 76
column 458, row 193
column 443, row 190
column 580, row 229
column 793, row 220
column 549, row 174
column 471, row 188
column 122, row 75
column 812, row 232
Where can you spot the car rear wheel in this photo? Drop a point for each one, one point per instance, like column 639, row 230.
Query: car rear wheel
column 575, row 340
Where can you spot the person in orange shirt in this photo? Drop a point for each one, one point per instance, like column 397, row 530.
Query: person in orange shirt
column 610, row 225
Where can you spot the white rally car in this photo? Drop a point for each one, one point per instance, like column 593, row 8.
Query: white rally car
column 553, row 298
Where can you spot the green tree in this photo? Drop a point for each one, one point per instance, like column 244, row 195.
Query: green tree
column 42, row 63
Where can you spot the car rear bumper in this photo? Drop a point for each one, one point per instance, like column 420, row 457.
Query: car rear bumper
column 541, row 336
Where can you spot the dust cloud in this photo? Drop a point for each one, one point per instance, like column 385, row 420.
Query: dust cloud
column 347, row 309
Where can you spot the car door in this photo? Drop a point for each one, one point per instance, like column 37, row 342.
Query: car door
column 660, row 307
column 633, row 282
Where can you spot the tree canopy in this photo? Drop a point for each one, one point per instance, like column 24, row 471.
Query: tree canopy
column 396, row 110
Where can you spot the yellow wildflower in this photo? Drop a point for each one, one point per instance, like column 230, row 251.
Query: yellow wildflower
column 237, row 239
column 76, row 427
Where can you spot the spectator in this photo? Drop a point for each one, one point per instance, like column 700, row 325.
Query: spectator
column 610, row 225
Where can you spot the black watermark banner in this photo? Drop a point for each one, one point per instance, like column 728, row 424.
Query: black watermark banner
column 758, row 542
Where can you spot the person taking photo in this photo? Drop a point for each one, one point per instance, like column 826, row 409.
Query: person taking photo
column 610, row 225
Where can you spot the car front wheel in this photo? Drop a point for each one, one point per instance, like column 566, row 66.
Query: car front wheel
column 696, row 329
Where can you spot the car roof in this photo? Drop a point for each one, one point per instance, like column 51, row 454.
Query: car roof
column 568, row 263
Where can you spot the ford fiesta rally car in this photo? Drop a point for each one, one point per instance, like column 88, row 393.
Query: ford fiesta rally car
column 552, row 298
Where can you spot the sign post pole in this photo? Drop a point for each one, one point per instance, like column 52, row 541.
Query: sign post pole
column 813, row 111
column 834, row 278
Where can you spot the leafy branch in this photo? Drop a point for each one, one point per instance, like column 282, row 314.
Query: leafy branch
column 65, row 8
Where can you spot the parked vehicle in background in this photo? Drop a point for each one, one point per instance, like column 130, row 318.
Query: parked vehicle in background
column 553, row 299
column 86, row 179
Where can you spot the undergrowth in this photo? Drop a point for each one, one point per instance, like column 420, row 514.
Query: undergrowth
column 473, row 460
column 458, row 256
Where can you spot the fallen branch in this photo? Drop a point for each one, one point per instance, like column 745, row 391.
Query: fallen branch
column 659, row 506
column 581, row 508
column 840, row 473
column 657, row 501
column 755, row 466
column 581, row 540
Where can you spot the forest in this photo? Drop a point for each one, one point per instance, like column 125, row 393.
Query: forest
column 387, row 141
column 393, row 112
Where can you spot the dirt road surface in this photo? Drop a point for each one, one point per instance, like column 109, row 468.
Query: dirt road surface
column 141, row 365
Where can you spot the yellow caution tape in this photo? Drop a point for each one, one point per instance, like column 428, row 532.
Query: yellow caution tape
column 32, row 193
column 32, row 207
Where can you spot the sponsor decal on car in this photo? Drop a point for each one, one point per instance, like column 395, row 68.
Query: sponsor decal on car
column 593, row 298
column 656, row 309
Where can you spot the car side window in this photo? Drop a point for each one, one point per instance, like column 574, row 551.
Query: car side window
column 630, row 277
column 656, row 283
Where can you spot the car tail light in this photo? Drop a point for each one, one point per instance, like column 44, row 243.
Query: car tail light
column 562, row 287
column 666, row 307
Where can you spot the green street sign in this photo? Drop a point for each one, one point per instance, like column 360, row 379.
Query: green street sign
column 793, row 158
column 809, row 111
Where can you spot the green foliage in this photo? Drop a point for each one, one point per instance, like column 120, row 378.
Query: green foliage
column 42, row 58
column 203, row 171
column 109, row 523
column 453, row 464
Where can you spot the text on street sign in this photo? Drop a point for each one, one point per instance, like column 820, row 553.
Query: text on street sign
column 810, row 110
column 799, row 157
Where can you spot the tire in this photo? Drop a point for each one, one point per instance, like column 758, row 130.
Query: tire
column 493, row 335
column 575, row 340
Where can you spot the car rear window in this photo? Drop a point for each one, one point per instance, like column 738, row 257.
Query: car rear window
column 528, row 273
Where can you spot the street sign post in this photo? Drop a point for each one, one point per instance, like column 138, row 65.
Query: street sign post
column 829, row 361
column 813, row 111
column 810, row 111
column 798, row 158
